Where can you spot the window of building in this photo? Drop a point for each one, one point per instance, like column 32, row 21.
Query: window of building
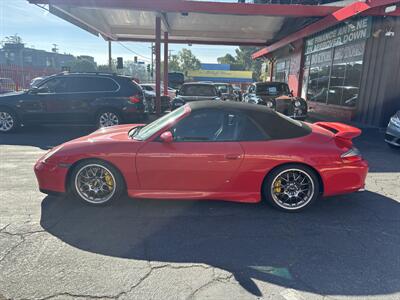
column 318, row 81
column 333, row 76
column 281, row 71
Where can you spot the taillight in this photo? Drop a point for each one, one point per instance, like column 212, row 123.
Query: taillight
column 351, row 155
column 134, row 99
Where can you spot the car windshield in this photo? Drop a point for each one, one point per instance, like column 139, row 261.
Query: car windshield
column 150, row 129
column 272, row 89
column 198, row 90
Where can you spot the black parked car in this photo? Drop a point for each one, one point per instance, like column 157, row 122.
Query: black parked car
column 195, row 91
column 74, row 98
column 277, row 96
column 227, row 91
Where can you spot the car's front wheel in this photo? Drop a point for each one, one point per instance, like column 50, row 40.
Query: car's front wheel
column 291, row 187
column 96, row 182
column 8, row 121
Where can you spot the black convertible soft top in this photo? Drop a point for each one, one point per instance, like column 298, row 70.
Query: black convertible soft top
column 275, row 125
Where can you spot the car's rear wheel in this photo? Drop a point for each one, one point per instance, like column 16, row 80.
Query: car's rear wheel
column 8, row 121
column 291, row 187
column 96, row 182
column 107, row 118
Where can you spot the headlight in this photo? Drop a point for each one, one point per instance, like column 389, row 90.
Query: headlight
column 297, row 103
column 269, row 104
column 395, row 121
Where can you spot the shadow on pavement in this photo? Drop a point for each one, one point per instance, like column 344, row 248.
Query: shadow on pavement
column 380, row 157
column 347, row 245
column 44, row 137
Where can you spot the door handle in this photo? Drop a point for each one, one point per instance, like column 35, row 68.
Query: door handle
column 232, row 156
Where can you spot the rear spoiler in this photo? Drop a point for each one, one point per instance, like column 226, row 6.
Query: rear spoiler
column 340, row 130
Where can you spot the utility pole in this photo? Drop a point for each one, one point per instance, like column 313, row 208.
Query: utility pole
column 55, row 48
column 152, row 60
column 109, row 56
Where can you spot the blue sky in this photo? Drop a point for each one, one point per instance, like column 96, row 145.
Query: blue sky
column 40, row 29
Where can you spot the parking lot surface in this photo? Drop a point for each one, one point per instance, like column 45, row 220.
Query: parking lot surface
column 344, row 247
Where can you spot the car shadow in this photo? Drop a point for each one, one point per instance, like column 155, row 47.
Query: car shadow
column 377, row 152
column 346, row 245
column 44, row 137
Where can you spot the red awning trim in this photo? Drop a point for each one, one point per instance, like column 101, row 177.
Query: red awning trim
column 338, row 16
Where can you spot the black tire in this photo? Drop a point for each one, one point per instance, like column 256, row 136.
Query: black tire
column 6, row 116
column 111, row 113
column 117, row 179
column 307, row 174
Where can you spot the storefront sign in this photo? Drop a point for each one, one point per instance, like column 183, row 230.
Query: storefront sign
column 345, row 33
column 220, row 74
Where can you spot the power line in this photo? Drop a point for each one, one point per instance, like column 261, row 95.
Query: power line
column 134, row 52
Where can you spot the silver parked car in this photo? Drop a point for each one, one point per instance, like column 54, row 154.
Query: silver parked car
column 392, row 136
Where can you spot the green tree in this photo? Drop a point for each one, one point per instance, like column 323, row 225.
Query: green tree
column 173, row 64
column 12, row 39
column 243, row 57
column 227, row 59
column 82, row 65
column 243, row 60
column 184, row 61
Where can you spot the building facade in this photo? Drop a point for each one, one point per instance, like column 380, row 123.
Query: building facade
column 19, row 55
column 350, row 71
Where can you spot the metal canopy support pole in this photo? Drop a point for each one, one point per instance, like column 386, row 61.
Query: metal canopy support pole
column 165, row 63
column 158, row 65
column 109, row 56
column 271, row 71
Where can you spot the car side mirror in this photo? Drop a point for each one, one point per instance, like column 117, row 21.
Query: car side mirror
column 177, row 92
column 219, row 93
column 34, row 90
column 166, row 137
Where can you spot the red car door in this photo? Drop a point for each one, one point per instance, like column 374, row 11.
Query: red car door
column 204, row 155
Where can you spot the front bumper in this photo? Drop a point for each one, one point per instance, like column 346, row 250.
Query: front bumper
column 392, row 135
column 51, row 177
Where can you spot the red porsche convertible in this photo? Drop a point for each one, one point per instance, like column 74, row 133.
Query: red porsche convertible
column 209, row 150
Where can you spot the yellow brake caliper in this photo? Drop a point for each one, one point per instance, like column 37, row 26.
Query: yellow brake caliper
column 109, row 179
column 277, row 186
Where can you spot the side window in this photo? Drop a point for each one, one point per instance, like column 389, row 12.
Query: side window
column 250, row 131
column 92, row 84
column 252, row 89
column 55, row 85
column 207, row 126
column 98, row 84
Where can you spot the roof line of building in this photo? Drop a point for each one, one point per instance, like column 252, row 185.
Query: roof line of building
column 375, row 7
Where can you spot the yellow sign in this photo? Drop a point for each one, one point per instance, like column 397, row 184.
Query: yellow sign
column 220, row 74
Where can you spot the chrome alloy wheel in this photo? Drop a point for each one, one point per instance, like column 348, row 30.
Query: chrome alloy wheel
column 6, row 121
column 95, row 183
column 107, row 119
column 292, row 189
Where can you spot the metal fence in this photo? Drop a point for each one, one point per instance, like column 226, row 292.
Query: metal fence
column 22, row 75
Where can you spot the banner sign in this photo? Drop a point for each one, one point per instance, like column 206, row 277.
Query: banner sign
column 346, row 32
column 220, row 74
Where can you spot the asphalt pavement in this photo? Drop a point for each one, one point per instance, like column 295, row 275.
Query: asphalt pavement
column 344, row 247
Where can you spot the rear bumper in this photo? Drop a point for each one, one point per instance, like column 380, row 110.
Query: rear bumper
column 345, row 178
column 50, row 177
